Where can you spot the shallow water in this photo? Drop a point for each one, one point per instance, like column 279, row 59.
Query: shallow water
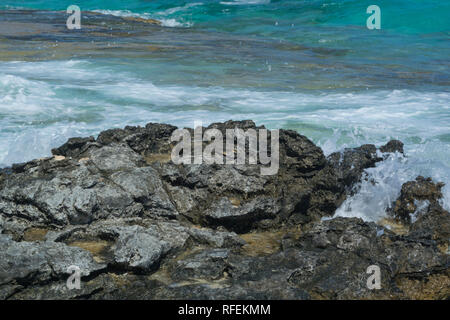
column 312, row 66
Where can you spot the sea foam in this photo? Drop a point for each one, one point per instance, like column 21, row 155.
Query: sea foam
column 40, row 110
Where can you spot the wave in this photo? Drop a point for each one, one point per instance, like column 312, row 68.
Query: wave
column 178, row 9
column 382, row 184
column 165, row 22
column 23, row 96
column 40, row 110
column 244, row 2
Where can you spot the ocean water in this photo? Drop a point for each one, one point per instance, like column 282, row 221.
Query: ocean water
column 312, row 66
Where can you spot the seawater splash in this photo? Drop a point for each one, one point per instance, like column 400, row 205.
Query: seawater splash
column 244, row 2
column 310, row 66
column 94, row 97
column 381, row 186
column 184, row 8
column 20, row 95
column 378, row 189
column 161, row 17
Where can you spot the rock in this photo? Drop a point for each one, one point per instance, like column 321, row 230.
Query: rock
column 433, row 225
column 339, row 251
column 139, row 250
column 143, row 20
column 80, row 193
column 24, row 264
column 145, row 187
column 73, row 147
column 216, row 239
column 299, row 153
column 124, row 172
column 146, row 238
column 114, row 158
column 418, row 207
column 207, row 265
column 351, row 163
column 392, row 146
column 414, row 194
column 141, row 227
column 153, row 139
column 241, row 218
column 328, row 262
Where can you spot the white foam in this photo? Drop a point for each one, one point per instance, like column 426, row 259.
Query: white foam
column 178, row 9
column 378, row 190
column 55, row 70
column 166, row 22
column 174, row 23
column 39, row 110
column 20, row 96
column 382, row 184
column 35, row 142
column 244, row 2
column 421, row 207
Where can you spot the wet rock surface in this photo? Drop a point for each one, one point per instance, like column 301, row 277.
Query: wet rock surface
column 415, row 197
column 141, row 227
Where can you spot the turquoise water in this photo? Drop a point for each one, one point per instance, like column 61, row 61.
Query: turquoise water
column 257, row 17
column 312, row 66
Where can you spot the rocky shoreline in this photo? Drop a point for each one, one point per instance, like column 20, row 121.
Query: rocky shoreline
column 140, row 227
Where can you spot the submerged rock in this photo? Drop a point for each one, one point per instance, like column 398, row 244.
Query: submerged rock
column 141, row 227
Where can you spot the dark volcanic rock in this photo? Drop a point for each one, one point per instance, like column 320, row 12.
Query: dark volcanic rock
column 24, row 264
column 342, row 249
column 127, row 172
column 392, row 146
column 419, row 207
column 414, row 194
column 433, row 225
column 73, row 147
column 350, row 164
column 329, row 261
column 141, row 227
column 152, row 139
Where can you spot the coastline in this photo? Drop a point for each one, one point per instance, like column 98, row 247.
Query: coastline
column 141, row 227
column 353, row 198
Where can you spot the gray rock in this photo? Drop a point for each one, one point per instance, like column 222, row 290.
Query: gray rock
column 216, row 239
column 392, row 146
column 137, row 249
column 114, row 157
column 241, row 218
column 207, row 265
column 151, row 229
column 413, row 192
column 117, row 175
column 73, row 147
column 24, row 264
column 145, row 186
